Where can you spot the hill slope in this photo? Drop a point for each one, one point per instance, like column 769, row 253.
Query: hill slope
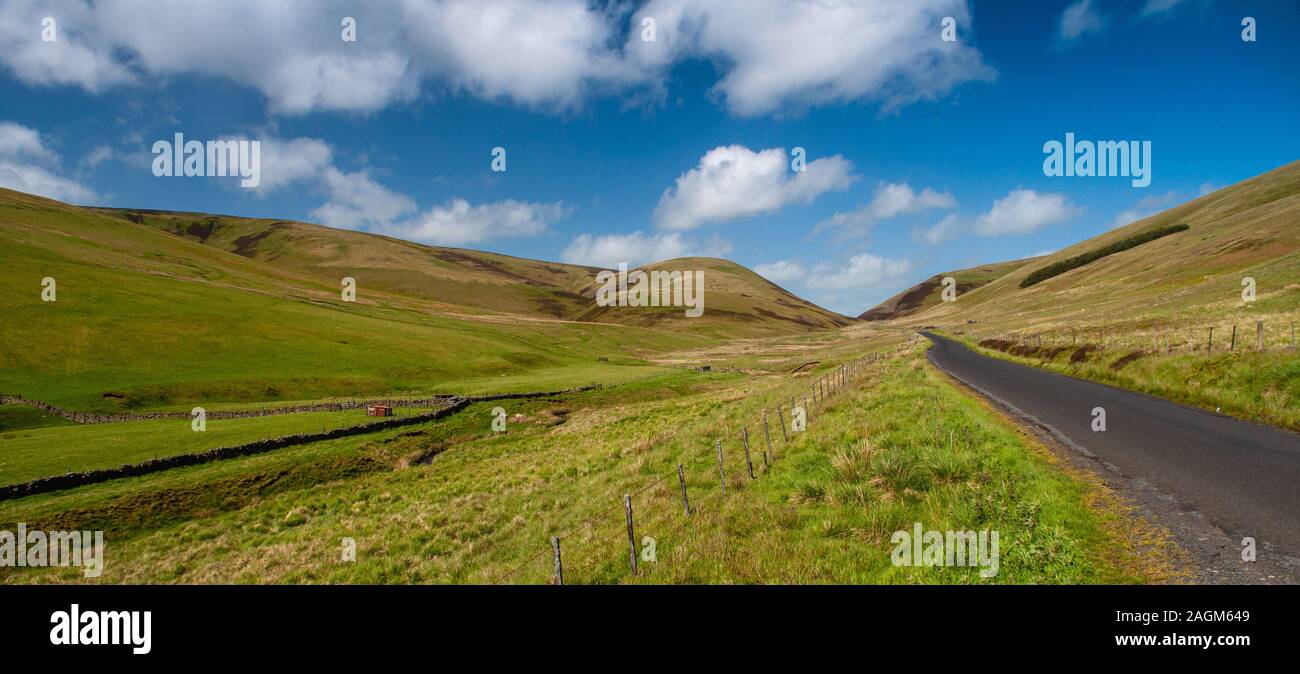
column 475, row 282
column 737, row 302
column 1194, row 277
column 927, row 293
column 164, row 311
column 465, row 280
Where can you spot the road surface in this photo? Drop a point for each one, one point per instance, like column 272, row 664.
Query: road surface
column 1242, row 477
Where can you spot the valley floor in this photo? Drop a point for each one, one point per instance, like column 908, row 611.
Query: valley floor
column 451, row 501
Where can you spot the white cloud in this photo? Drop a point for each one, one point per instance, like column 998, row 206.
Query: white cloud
column 733, row 181
column 1024, row 212
column 1156, row 7
column 946, row 229
column 357, row 202
column 28, row 166
column 861, row 271
column 781, row 271
column 780, row 54
column 97, row 156
column 773, row 54
column 285, row 162
column 1144, row 208
column 637, row 248
column 537, row 53
column 1079, row 19
column 1205, row 189
column 890, row 200
column 545, row 53
column 457, row 222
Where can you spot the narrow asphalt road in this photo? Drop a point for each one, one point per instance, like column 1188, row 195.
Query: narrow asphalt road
column 1242, row 477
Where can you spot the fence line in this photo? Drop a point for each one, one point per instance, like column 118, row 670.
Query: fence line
column 1185, row 340
column 819, row 391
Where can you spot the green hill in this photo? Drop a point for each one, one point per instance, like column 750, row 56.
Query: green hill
column 1189, row 279
column 168, row 310
column 928, row 292
column 738, row 302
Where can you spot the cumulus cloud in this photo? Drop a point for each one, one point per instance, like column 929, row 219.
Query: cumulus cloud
column 289, row 161
column 358, row 202
column 1144, row 208
column 544, row 53
column 889, row 201
column 27, row 165
column 773, row 54
column 781, row 271
column 783, row 54
column 638, row 248
column 861, row 271
column 457, row 222
column 1024, row 212
column 733, row 181
column 946, row 229
column 1078, row 20
column 355, row 200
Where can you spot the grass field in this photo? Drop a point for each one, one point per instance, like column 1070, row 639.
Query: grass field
column 450, row 501
column 41, row 452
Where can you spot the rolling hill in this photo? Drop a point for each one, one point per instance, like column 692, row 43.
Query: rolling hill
column 737, row 301
column 159, row 310
column 1187, row 279
column 926, row 294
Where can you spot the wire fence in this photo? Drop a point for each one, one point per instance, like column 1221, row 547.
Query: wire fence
column 1223, row 337
column 661, row 509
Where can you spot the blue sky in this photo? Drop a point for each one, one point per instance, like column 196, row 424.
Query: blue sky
column 922, row 155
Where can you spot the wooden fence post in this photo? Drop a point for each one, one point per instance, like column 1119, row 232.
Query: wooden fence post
column 1233, row 345
column 681, row 478
column 744, row 437
column 1259, row 335
column 722, row 474
column 1209, row 345
column 781, row 418
column 631, row 536
column 767, row 455
column 558, row 577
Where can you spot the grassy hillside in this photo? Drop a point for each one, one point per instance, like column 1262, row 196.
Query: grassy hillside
column 145, row 319
column 738, row 302
column 928, row 293
column 1166, row 317
column 169, row 310
column 476, row 282
column 1186, row 281
column 450, row 278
